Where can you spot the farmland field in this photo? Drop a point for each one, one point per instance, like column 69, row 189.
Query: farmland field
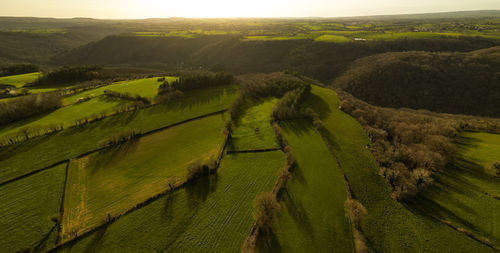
column 147, row 87
column 37, row 153
column 65, row 115
column 211, row 215
column 253, row 130
column 131, row 173
column 464, row 193
column 27, row 208
column 312, row 217
column 390, row 226
column 19, row 80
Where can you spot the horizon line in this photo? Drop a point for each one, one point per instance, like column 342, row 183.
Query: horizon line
column 256, row 17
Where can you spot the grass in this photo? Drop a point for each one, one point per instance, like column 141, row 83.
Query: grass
column 113, row 181
column 463, row 193
column 147, row 87
column 19, row 159
column 312, row 216
column 389, row 226
column 253, row 130
column 210, row 215
column 27, row 207
column 332, row 38
column 65, row 115
column 19, row 80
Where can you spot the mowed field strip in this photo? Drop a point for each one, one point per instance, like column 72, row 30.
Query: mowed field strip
column 464, row 193
column 390, row 226
column 210, row 215
column 312, row 216
column 29, row 208
column 253, row 130
column 20, row 159
column 147, row 87
column 110, row 182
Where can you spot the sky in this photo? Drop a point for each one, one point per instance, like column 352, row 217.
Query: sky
column 132, row 9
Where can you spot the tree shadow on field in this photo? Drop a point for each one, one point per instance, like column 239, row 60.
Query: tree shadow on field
column 96, row 241
column 267, row 241
column 199, row 189
column 298, row 214
column 105, row 158
column 168, row 211
column 319, row 105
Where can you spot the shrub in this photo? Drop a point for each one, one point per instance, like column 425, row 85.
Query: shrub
column 496, row 167
column 266, row 208
column 122, row 137
column 197, row 170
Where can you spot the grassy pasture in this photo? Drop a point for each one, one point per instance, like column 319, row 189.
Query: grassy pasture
column 389, row 226
column 333, row 38
column 463, row 193
column 113, row 181
column 312, row 216
column 27, row 207
column 17, row 160
column 65, row 115
column 20, row 80
column 210, row 215
column 147, row 87
column 253, row 130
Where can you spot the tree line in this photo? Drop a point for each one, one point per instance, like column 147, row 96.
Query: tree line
column 69, row 74
column 18, row 69
column 27, row 106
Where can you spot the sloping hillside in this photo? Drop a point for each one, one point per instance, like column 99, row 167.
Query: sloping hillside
column 463, row 83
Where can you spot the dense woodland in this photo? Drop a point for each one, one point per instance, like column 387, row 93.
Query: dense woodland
column 463, row 83
column 27, row 106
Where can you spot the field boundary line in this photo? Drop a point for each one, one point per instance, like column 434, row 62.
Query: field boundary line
column 252, row 150
column 108, row 147
column 33, row 172
column 61, row 208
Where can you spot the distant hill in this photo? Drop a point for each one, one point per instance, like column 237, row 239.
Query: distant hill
column 322, row 61
column 437, row 15
column 464, row 83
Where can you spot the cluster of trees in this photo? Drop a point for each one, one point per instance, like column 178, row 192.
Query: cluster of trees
column 257, row 86
column 289, row 106
column 411, row 145
column 187, row 82
column 408, row 146
column 69, row 75
column 18, row 69
column 24, row 107
column 139, row 99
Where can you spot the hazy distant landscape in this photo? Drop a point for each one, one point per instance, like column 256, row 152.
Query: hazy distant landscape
column 320, row 134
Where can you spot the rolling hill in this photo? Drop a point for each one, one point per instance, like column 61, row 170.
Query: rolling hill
column 461, row 83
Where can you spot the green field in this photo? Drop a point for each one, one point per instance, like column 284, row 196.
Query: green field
column 211, row 215
column 464, row 193
column 27, row 207
column 19, row 80
column 65, row 115
column 147, row 87
column 131, row 173
column 253, row 130
column 333, row 38
column 19, row 159
column 312, row 217
column 389, row 226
